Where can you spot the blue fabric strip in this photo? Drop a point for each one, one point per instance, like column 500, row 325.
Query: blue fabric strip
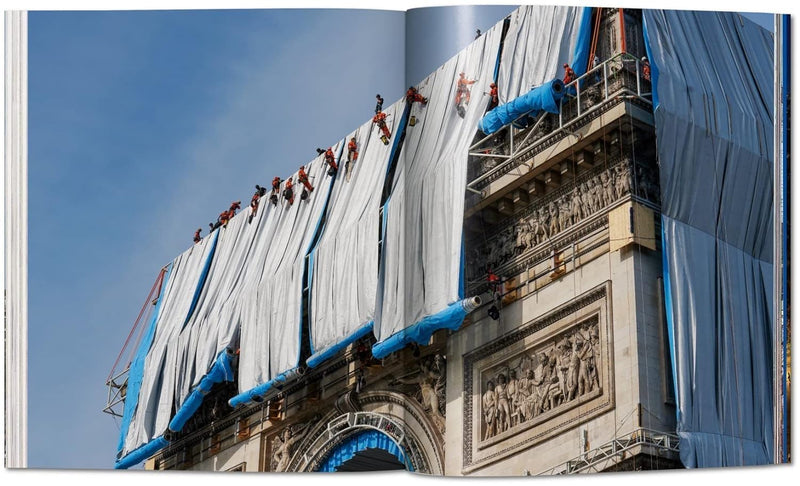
column 668, row 311
column 653, row 65
column 219, row 372
column 141, row 453
column 449, row 318
column 202, row 280
column 253, row 394
column 540, row 98
column 136, row 372
column 315, row 359
column 580, row 55
column 371, row 439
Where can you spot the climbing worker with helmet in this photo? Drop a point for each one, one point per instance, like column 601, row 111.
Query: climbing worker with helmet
column 288, row 192
column 645, row 69
column 379, row 103
column 260, row 191
column 413, row 95
column 352, row 150
column 197, row 237
column 462, row 90
column 493, row 94
column 235, row 206
column 302, row 177
column 330, row 159
column 569, row 74
column 276, row 189
column 380, row 120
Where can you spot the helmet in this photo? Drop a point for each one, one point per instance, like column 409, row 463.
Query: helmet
column 644, row 59
column 461, row 74
column 492, row 85
column 566, row 65
column 378, row 95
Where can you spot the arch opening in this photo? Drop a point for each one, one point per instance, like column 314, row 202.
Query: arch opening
column 369, row 450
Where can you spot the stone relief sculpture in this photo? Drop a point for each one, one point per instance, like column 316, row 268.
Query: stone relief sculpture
column 430, row 378
column 283, row 445
column 560, row 211
column 557, row 373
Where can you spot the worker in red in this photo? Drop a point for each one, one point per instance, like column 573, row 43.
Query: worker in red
column 197, row 237
column 303, row 178
column 462, row 90
column 224, row 217
column 260, row 191
column 380, row 120
column 352, row 150
column 494, row 288
column 569, row 74
column 235, row 206
column 288, row 192
column 493, row 94
column 276, row 189
column 330, row 159
column 413, row 95
column 645, row 69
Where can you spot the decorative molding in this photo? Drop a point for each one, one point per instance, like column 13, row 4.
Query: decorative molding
column 578, row 390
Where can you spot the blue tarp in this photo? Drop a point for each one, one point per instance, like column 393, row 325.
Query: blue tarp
column 421, row 332
column 371, row 439
column 140, row 454
column 315, row 359
column 221, row 371
column 540, row 98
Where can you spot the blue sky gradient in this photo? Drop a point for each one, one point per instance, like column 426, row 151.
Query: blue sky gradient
column 143, row 126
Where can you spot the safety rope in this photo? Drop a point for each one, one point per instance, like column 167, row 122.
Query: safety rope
column 148, row 300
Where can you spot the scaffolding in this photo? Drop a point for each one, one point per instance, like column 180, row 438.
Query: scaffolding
column 608, row 455
column 618, row 78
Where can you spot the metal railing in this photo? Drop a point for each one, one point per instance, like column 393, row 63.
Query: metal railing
column 615, row 450
column 617, row 78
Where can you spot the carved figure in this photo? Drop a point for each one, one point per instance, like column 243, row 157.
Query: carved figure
column 282, row 447
column 490, row 410
column 503, row 407
column 608, row 195
column 564, row 212
column 623, row 179
column 586, row 198
column 513, row 392
column 428, row 378
column 575, row 206
column 553, row 211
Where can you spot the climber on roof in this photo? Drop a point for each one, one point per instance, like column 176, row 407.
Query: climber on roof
column 260, row 191
column 413, row 95
column 276, row 189
column 352, row 150
column 197, row 237
column 235, row 206
column 462, row 90
column 569, row 74
column 380, row 120
column 330, row 159
column 288, row 192
column 379, row 103
column 493, row 94
column 302, row 177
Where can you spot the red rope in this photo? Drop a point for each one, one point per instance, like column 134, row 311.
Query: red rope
column 595, row 37
column 149, row 299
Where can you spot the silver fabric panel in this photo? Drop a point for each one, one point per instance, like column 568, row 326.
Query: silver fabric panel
column 540, row 39
column 345, row 272
column 154, row 407
column 427, row 203
column 714, row 140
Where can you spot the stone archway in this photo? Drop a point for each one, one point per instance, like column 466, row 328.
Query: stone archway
column 397, row 416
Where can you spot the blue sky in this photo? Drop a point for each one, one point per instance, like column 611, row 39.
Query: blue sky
column 143, row 126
